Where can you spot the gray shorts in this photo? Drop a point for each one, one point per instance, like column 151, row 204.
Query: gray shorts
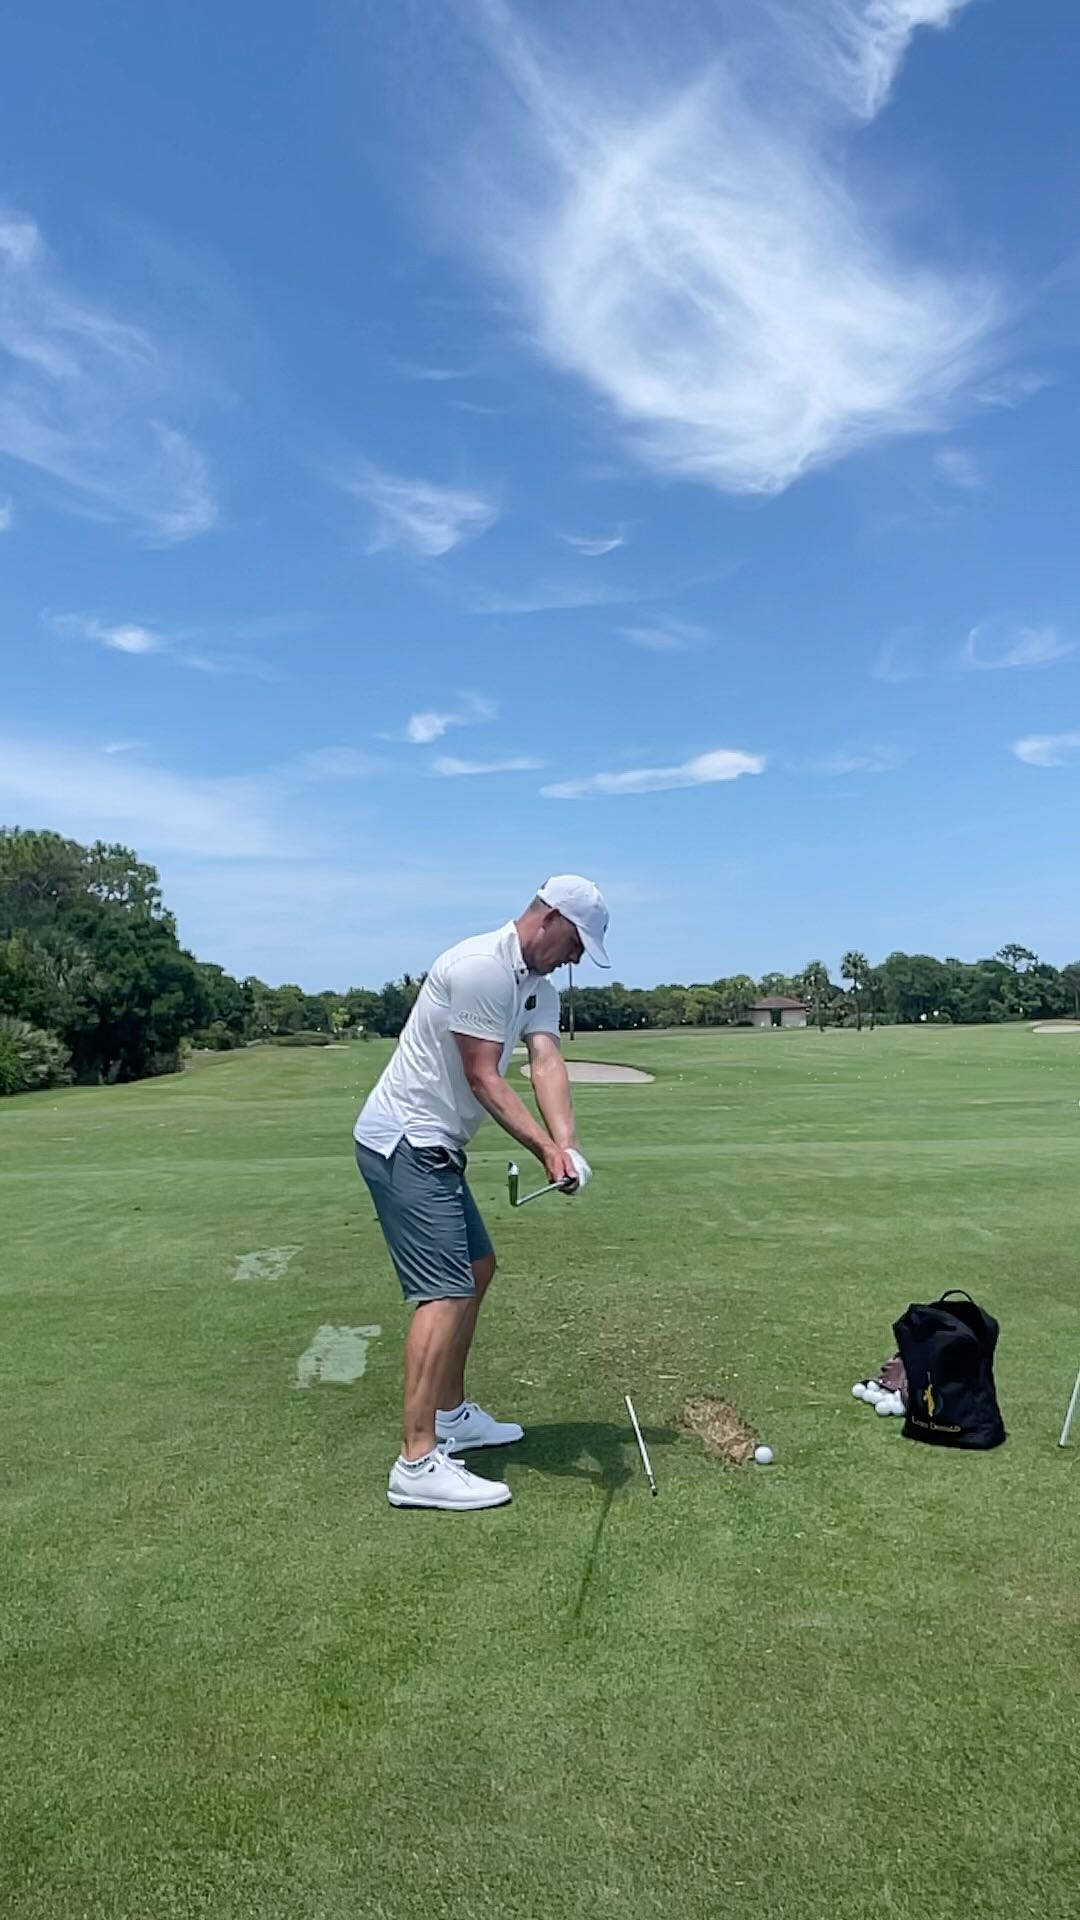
column 430, row 1221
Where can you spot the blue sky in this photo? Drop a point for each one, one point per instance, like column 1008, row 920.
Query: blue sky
column 441, row 444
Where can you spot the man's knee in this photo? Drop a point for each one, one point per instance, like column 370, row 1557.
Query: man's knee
column 484, row 1271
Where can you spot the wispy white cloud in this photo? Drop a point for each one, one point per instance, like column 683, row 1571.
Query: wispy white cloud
column 333, row 766
column 130, row 639
column 413, row 370
column 1010, row 389
column 225, row 664
column 991, row 646
column 7, row 512
column 726, row 763
column 450, row 769
column 959, row 467
column 897, row 661
column 594, row 547
column 474, row 711
column 996, row 644
column 85, row 400
column 855, row 48
column 92, row 796
column 119, row 791
column 419, row 516
column 666, row 635
column 122, row 637
column 872, row 760
column 697, row 253
column 552, row 596
column 133, row 637
column 1048, row 749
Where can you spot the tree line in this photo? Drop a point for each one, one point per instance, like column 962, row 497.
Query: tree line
column 95, row 986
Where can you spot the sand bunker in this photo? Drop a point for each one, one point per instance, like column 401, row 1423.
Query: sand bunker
column 599, row 1070
column 1057, row 1026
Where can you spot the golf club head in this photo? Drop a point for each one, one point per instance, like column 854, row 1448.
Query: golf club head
column 513, row 1178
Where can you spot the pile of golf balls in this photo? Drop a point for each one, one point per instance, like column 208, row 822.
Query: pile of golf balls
column 879, row 1397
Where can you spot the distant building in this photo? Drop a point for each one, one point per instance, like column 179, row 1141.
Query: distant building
column 776, row 1010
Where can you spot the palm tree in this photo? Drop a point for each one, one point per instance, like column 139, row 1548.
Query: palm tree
column 856, row 967
column 872, row 983
column 815, row 979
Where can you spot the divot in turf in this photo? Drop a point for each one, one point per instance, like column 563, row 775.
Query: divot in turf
column 722, row 1428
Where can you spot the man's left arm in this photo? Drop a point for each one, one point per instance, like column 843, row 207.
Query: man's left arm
column 551, row 1087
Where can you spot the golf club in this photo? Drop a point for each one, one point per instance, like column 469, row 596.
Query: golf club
column 1069, row 1415
column 513, row 1178
column 645, row 1461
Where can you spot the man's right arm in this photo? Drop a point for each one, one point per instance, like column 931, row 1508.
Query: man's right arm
column 482, row 1003
column 480, row 1059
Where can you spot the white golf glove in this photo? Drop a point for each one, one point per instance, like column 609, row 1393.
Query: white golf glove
column 581, row 1168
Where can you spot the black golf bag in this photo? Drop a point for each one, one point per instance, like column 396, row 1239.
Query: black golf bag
column 947, row 1349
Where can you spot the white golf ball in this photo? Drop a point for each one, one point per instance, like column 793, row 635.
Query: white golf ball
column 763, row 1456
column 875, row 1391
column 859, row 1390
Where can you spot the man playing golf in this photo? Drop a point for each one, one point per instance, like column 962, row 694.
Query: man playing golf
column 478, row 1001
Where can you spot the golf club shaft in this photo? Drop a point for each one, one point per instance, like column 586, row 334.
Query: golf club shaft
column 645, row 1461
column 513, row 1178
column 539, row 1194
column 1069, row 1415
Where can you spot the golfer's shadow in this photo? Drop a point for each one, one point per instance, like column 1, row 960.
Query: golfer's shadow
column 602, row 1453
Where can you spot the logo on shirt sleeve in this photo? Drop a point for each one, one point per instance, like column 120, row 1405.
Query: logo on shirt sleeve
column 530, row 1004
column 479, row 1020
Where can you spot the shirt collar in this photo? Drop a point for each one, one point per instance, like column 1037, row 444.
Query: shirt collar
column 517, row 958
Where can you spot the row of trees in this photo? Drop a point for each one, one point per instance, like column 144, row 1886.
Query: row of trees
column 904, row 988
column 95, row 986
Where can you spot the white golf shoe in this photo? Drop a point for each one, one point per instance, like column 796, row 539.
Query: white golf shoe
column 443, row 1481
column 471, row 1427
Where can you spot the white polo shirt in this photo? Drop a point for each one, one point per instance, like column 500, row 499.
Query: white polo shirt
column 482, row 988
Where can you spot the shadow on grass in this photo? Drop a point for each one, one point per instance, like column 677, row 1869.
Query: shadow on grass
column 603, row 1454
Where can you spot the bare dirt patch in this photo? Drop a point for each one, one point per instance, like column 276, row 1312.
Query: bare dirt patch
column 722, row 1428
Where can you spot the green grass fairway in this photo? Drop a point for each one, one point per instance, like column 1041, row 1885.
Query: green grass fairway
column 236, row 1684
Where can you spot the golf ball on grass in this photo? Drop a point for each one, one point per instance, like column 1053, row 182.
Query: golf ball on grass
column 763, row 1456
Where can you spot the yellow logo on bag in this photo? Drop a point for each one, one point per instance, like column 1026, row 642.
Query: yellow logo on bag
column 929, row 1402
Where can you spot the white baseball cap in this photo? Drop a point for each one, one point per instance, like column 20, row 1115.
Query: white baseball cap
column 582, row 903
